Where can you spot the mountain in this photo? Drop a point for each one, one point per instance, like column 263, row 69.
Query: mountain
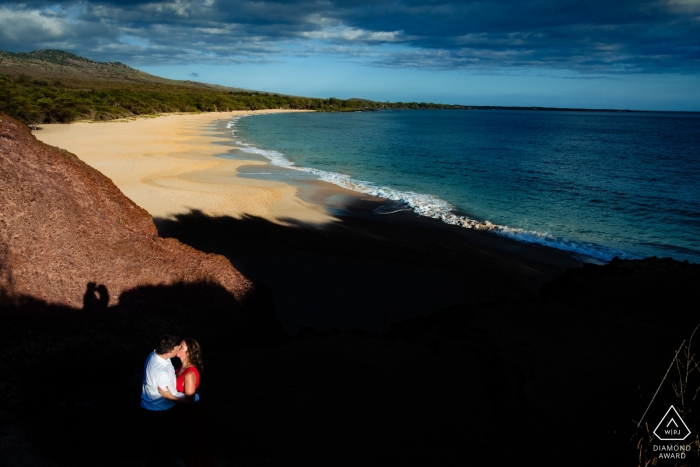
column 65, row 66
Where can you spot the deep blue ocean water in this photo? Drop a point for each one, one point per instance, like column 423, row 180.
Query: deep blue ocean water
column 600, row 184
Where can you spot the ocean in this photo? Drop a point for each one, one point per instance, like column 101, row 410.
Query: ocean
column 596, row 184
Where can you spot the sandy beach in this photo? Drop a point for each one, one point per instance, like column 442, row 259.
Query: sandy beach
column 167, row 165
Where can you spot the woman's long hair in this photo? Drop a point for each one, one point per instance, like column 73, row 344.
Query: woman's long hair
column 194, row 353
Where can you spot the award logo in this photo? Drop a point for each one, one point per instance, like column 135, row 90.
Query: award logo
column 672, row 427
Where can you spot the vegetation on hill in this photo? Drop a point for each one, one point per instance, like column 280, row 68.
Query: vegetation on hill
column 57, row 56
column 52, row 86
column 34, row 101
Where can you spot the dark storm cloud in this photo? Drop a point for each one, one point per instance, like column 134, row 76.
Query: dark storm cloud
column 591, row 36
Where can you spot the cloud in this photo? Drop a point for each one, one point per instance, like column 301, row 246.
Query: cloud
column 30, row 25
column 595, row 36
column 343, row 33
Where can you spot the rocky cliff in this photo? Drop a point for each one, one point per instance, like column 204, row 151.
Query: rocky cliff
column 66, row 229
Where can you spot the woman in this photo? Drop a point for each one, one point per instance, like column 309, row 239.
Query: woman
column 196, row 451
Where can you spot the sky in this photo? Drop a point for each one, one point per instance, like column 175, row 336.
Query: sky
column 641, row 55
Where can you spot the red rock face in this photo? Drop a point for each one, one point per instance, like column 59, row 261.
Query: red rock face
column 64, row 225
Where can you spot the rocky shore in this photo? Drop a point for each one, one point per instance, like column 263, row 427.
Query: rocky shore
column 538, row 364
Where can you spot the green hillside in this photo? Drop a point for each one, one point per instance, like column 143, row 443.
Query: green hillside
column 52, row 86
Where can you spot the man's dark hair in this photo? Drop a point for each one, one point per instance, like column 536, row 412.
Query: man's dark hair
column 167, row 343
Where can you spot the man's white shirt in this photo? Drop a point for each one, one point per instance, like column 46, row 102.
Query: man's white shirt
column 157, row 372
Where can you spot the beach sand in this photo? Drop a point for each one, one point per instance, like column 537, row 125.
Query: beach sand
column 167, row 165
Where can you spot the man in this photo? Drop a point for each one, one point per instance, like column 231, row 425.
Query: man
column 158, row 411
column 158, row 371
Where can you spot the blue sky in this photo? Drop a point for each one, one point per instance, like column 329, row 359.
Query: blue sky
column 591, row 54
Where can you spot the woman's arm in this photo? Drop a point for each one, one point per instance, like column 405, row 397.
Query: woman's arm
column 190, row 389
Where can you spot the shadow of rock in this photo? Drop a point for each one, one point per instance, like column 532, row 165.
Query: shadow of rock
column 356, row 273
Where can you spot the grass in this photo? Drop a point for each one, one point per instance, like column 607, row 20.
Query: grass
column 683, row 391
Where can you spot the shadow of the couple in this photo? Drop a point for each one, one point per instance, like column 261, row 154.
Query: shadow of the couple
column 96, row 298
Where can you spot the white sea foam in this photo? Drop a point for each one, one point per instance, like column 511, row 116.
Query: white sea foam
column 434, row 207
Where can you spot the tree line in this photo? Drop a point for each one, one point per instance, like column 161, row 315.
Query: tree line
column 36, row 101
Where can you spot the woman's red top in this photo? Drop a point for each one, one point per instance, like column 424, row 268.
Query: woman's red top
column 180, row 386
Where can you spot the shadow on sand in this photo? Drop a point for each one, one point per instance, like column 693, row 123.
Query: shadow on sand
column 362, row 274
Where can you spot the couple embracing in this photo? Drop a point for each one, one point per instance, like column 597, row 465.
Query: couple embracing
column 170, row 401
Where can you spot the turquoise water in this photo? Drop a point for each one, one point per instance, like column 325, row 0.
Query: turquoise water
column 594, row 183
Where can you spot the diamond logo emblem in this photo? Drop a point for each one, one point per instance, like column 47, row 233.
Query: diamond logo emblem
column 672, row 427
